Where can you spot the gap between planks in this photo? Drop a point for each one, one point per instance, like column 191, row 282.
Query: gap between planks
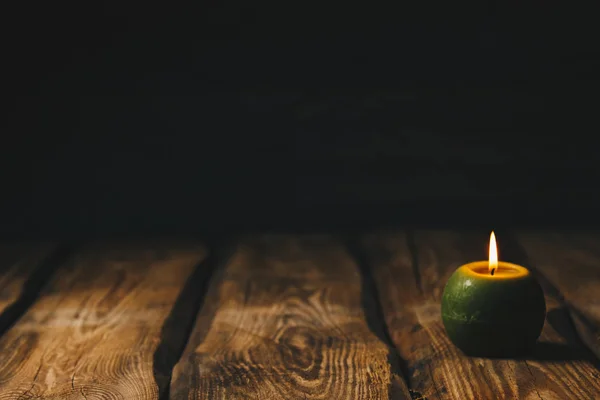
column 178, row 325
column 25, row 276
column 375, row 316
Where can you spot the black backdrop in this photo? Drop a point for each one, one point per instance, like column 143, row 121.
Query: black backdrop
column 226, row 117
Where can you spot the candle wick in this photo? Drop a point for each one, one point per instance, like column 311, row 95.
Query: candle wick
column 493, row 270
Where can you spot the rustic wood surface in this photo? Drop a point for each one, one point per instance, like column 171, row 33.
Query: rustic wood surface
column 284, row 320
column 410, row 272
column 571, row 262
column 285, row 317
column 94, row 330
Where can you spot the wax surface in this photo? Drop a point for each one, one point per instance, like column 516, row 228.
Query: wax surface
column 505, row 270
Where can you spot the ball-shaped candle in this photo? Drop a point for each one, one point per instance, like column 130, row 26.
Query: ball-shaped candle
column 493, row 308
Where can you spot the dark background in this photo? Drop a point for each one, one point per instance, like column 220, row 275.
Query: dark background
column 250, row 116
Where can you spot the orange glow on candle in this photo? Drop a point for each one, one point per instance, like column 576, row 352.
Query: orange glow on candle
column 493, row 258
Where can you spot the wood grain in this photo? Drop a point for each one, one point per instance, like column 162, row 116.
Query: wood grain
column 94, row 329
column 571, row 262
column 284, row 320
column 411, row 271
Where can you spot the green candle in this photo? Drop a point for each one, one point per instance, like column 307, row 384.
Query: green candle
column 493, row 308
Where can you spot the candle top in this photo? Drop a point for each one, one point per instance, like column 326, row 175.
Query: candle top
column 504, row 270
column 494, row 269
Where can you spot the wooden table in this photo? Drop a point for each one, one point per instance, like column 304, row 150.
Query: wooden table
column 284, row 317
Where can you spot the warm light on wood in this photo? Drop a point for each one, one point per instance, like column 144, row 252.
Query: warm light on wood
column 493, row 260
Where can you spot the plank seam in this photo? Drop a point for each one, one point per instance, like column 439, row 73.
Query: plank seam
column 374, row 312
column 33, row 286
column 411, row 243
column 179, row 324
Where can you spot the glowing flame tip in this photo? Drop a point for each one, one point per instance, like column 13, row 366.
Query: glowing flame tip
column 493, row 254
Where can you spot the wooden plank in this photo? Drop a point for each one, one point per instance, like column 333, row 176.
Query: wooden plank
column 411, row 271
column 95, row 327
column 571, row 262
column 23, row 270
column 284, row 320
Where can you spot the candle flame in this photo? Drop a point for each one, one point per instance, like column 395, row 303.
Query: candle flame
column 493, row 260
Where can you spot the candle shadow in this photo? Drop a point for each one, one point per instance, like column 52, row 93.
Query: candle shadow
column 572, row 349
column 560, row 320
column 551, row 351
